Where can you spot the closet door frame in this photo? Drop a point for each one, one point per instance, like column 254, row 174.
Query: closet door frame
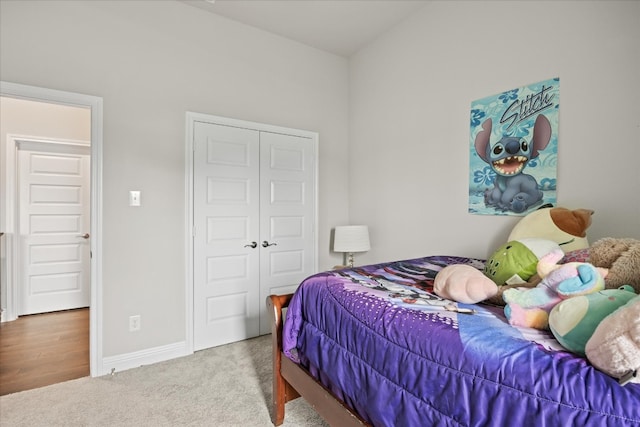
column 191, row 119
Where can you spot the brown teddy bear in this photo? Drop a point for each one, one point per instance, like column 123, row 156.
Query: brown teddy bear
column 622, row 257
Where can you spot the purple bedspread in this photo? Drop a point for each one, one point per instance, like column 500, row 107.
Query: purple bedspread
column 381, row 341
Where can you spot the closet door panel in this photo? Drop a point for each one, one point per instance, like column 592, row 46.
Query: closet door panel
column 287, row 214
column 226, row 220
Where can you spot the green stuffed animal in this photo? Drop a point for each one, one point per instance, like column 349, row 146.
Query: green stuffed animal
column 516, row 261
column 573, row 321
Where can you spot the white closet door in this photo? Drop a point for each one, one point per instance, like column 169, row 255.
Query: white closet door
column 226, row 219
column 287, row 215
column 254, row 219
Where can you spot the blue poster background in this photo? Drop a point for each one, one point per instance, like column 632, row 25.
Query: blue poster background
column 513, row 117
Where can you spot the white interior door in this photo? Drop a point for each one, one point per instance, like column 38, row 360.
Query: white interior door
column 254, row 220
column 54, row 222
column 287, row 216
column 226, row 219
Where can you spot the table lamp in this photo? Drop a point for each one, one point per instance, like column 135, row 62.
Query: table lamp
column 350, row 239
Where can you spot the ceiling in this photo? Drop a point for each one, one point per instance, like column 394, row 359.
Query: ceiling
column 341, row 27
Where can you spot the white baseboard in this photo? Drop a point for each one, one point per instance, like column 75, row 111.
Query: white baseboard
column 122, row 362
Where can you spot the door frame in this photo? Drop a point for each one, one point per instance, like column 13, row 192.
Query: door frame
column 191, row 119
column 39, row 94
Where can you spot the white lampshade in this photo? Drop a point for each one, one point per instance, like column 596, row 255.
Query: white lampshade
column 351, row 238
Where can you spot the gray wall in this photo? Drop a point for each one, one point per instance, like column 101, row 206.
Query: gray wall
column 410, row 96
column 151, row 62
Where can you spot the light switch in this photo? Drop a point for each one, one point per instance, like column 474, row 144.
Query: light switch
column 134, row 198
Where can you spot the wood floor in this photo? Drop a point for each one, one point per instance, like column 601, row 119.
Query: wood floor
column 43, row 349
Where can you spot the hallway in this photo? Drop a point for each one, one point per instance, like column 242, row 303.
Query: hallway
column 44, row 349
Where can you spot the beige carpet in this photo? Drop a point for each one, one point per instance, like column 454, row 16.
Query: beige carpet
column 224, row 386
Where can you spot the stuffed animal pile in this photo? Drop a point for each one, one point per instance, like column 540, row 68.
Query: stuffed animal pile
column 548, row 277
column 559, row 227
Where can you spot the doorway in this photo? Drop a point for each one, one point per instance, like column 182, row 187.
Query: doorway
column 62, row 152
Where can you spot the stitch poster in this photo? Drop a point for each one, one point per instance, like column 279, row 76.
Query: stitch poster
column 514, row 150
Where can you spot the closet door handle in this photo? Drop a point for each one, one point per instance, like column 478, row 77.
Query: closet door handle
column 266, row 244
column 252, row 245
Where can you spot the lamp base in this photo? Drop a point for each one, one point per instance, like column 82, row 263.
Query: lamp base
column 350, row 259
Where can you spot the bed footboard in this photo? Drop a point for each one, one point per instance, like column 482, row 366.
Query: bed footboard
column 291, row 381
column 282, row 390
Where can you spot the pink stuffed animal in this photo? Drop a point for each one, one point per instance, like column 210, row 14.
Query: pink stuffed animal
column 463, row 283
column 614, row 347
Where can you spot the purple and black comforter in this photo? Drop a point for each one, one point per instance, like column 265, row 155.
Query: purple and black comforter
column 399, row 355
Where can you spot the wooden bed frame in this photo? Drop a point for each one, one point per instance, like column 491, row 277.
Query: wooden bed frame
column 291, row 380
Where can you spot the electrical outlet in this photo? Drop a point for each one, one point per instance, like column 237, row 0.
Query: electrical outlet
column 134, row 323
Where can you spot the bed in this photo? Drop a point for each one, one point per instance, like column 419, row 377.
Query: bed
column 375, row 346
